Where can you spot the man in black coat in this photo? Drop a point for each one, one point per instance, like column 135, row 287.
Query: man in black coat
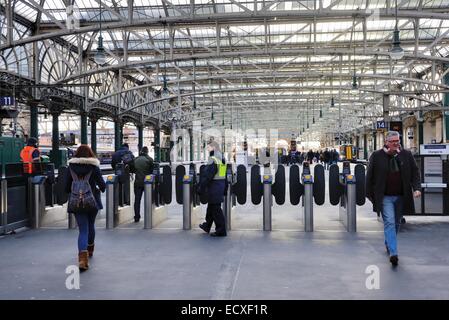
column 213, row 182
column 392, row 182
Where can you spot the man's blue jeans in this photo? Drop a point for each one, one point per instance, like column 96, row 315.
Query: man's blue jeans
column 391, row 215
column 86, row 227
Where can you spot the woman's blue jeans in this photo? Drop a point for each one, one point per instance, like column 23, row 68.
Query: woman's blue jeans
column 86, row 227
column 391, row 215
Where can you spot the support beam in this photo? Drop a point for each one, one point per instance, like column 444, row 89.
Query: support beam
column 140, row 138
column 157, row 145
column 118, row 129
column 191, row 144
column 34, row 128
column 84, row 128
column 93, row 134
column 446, row 104
column 55, row 158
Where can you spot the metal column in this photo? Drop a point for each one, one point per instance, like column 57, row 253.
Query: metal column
column 308, row 203
column 348, row 208
column 38, row 200
column 351, row 207
column 186, row 202
column 157, row 145
column 83, row 128
column 148, row 202
column 267, row 201
column 446, row 103
column 34, row 128
column 228, row 203
column 72, row 220
column 93, row 134
column 117, row 134
column 140, row 138
column 4, row 202
column 111, row 201
column 55, row 140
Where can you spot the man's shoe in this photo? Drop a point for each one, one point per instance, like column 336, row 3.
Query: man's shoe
column 214, row 234
column 136, row 219
column 394, row 260
column 204, row 227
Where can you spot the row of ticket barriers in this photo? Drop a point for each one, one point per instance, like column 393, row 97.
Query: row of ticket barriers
column 346, row 189
column 26, row 199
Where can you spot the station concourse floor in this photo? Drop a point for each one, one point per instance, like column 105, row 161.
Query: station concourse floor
column 169, row 263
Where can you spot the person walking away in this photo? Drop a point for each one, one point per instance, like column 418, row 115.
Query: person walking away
column 392, row 181
column 83, row 182
column 213, row 183
column 143, row 166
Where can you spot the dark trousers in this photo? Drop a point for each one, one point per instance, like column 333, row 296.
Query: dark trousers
column 138, row 191
column 215, row 214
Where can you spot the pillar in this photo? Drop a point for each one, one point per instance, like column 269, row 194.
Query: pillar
column 446, row 103
column 365, row 147
column 83, row 128
column 118, row 128
column 374, row 140
column 140, row 137
column 93, row 134
column 55, row 158
column 157, row 145
column 34, row 131
column 191, row 144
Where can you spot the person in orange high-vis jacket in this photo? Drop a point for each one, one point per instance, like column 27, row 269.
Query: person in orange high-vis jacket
column 29, row 154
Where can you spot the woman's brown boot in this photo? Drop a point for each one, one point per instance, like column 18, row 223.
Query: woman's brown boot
column 83, row 260
column 90, row 249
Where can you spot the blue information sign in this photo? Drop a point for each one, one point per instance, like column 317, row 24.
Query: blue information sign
column 381, row 125
column 7, row 101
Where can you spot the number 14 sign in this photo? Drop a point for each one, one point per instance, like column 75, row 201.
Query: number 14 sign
column 381, row 125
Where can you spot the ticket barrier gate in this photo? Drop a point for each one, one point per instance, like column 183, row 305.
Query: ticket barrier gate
column 17, row 186
column 310, row 187
column 229, row 198
column 187, row 193
column 112, row 201
column 347, row 190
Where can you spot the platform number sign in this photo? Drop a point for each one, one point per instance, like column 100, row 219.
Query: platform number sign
column 381, row 125
column 7, row 101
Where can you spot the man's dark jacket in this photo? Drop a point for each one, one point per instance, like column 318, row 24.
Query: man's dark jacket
column 143, row 165
column 215, row 189
column 376, row 179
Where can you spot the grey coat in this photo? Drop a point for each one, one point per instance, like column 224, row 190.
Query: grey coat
column 376, row 178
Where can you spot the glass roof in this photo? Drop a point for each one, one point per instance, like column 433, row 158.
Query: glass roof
column 294, row 45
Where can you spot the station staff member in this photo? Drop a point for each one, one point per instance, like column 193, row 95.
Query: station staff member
column 29, row 154
column 213, row 182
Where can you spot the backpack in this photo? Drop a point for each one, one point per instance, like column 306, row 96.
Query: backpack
column 127, row 158
column 81, row 196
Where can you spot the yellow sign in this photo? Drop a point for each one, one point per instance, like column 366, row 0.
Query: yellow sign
column 110, row 178
column 350, row 176
column 307, row 176
column 265, row 177
column 186, row 177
